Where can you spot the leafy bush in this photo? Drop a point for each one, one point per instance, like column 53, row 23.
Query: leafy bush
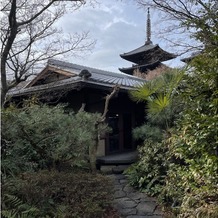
column 161, row 95
column 147, row 131
column 192, row 178
column 149, row 173
column 39, row 137
column 58, row 194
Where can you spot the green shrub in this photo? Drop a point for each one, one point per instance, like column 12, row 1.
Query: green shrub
column 162, row 108
column 44, row 137
column 59, row 194
column 149, row 172
column 191, row 183
column 147, row 131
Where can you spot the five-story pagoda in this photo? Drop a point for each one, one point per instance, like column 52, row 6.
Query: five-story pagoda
column 147, row 57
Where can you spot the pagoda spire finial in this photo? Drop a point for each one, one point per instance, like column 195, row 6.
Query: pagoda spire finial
column 148, row 41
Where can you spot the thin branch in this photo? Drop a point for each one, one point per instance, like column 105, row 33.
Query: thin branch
column 108, row 98
column 37, row 14
column 44, row 9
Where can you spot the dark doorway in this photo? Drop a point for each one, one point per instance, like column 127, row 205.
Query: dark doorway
column 114, row 135
column 127, row 135
column 120, row 137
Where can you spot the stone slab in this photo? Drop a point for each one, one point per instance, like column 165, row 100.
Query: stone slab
column 123, row 181
column 124, row 203
column 120, row 176
column 136, row 195
column 128, row 189
column 119, row 194
column 128, row 211
column 138, row 216
column 146, row 208
column 117, row 187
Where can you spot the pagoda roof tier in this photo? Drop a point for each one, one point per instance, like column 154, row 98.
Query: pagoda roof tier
column 141, row 68
column 148, row 53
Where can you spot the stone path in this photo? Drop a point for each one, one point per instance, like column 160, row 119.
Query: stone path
column 131, row 203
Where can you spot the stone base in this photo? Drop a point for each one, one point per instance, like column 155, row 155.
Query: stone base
column 119, row 169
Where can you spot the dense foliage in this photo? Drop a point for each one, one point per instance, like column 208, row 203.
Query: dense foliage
column 43, row 137
column 162, row 109
column 46, row 163
column 56, row 194
column 149, row 173
column 182, row 167
column 190, row 185
column 192, row 179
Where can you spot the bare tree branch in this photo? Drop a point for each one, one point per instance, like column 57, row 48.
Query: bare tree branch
column 198, row 19
column 29, row 38
column 108, row 98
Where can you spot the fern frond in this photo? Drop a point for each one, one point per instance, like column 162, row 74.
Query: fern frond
column 16, row 208
column 12, row 200
column 9, row 213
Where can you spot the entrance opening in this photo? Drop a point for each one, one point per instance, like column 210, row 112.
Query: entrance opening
column 120, row 137
column 127, row 136
column 114, row 139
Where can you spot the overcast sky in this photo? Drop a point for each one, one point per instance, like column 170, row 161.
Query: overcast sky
column 118, row 27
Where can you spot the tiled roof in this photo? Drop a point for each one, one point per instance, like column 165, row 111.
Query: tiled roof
column 98, row 78
column 142, row 68
column 101, row 76
column 148, row 53
column 144, row 48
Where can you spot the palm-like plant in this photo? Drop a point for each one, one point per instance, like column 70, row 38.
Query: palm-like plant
column 159, row 94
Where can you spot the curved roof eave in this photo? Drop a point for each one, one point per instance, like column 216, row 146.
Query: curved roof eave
column 145, row 52
column 144, row 67
column 141, row 49
column 97, row 77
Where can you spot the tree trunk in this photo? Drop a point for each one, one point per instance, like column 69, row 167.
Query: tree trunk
column 92, row 156
column 93, row 149
column 8, row 44
column 3, row 88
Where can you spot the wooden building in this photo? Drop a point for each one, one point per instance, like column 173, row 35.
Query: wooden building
column 62, row 82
